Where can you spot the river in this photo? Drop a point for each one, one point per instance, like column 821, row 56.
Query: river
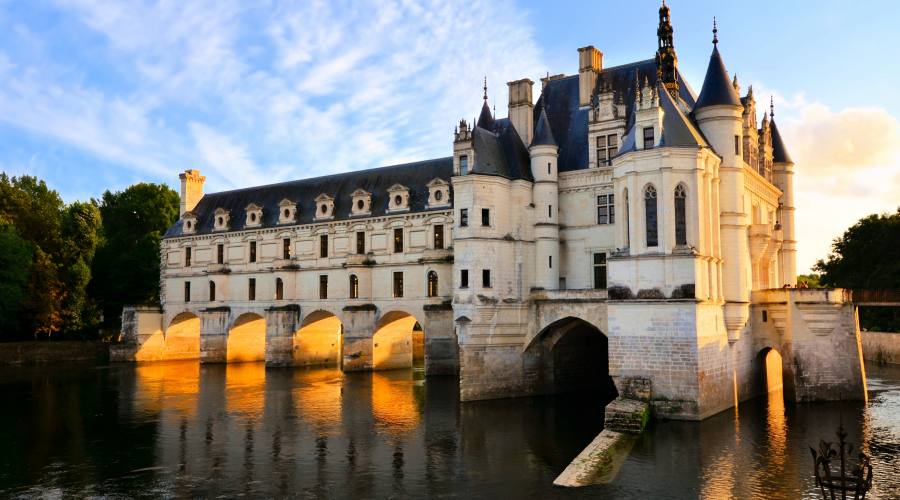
column 186, row 430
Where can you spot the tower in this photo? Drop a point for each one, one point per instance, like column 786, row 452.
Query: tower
column 783, row 177
column 544, row 153
column 191, row 190
column 666, row 59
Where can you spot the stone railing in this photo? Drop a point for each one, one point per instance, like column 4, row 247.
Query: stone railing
column 588, row 294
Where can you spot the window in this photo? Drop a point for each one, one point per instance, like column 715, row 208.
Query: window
column 354, row 287
column 680, row 221
column 765, row 316
column 737, row 145
column 550, row 211
column 187, row 291
column 486, row 278
column 464, row 217
column 648, row 137
column 323, row 245
column 464, row 278
column 606, row 209
column 286, row 248
column 360, row 242
column 549, row 170
column 252, row 251
column 599, row 270
column 323, row 286
column 220, row 253
column 485, row 217
column 650, row 215
column 607, row 146
column 398, row 240
column 627, row 220
column 212, row 291
column 439, row 236
column 187, row 257
column 432, row 284
column 279, row 289
column 550, row 261
column 463, row 165
column 398, row 284
column 251, row 289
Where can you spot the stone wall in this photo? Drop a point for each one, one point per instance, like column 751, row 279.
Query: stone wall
column 881, row 347
column 45, row 352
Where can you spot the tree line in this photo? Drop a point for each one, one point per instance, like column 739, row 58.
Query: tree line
column 66, row 270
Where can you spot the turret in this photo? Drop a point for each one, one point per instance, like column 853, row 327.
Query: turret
column 783, row 177
column 544, row 153
column 191, row 190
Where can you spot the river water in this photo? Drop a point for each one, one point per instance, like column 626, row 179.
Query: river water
column 185, row 430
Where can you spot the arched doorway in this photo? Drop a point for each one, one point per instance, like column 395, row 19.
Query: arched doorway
column 318, row 341
column 246, row 339
column 571, row 355
column 769, row 377
column 398, row 342
column 183, row 337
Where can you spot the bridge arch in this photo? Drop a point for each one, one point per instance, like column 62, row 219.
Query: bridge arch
column 398, row 341
column 570, row 355
column 182, row 337
column 768, row 371
column 246, row 340
column 319, row 340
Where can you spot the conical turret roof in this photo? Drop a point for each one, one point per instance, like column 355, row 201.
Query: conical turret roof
column 543, row 136
column 486, row 119
column 717, row 88
column 779, row 152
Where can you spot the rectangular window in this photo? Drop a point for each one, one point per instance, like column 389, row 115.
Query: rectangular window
column 252, row 251
column 549, row 168
column 612, row 147
column 220, row 253
column 286, row 248
column 606, row 209
column 600, row 270
column 398, row 240
column 279, row 289
column 550, row 261
column 439, row 236
column 464, row 217
column 323, row 245
column 486, row 278
column 737, row 145
column 602, row 160
column 187, row 291
column 360, row 242
column 251, row 289
column 648, row 138
column 550, row 211
column 398, row 284
column 187, row 257
column 485, row 217
column 464, row 278
column 463, row 165
column 323, row 286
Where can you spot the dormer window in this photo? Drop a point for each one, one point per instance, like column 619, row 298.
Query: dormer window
column 254, row 215
column 190, row 223
column 287, row 211
column 221, row 219
column 399, row 198
column 324, row 207
column 361, row 202
column 438, row 193
column 648, row 137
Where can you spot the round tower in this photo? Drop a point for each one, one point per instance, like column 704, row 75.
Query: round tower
column 783, row 177
column 544, row 154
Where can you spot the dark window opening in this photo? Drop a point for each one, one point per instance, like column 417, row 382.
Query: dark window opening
column 432, row 284
column 765, row 316
column 485, row 217
column 251, row 291
column 286, row 248
column 398, row 240
column 606, row 209
column 398, row 284
column 212, row 291
column 279, row 289
column 438, row 236
column 650, row 216
column 737, row 145
column 323, row 286
column 486, row 278
column 187, row 257
column 464, row 278
column 323, row 245
column 360, row 242
column 220, row 253
column 187, row 291
column 648, row 138
column 464, row 217
column 463, row 165
column 354, row 287
column 599, row 270
column 680, row 217
column 252, row 251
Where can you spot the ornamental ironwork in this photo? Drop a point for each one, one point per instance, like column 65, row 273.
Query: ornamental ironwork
column 837, row 476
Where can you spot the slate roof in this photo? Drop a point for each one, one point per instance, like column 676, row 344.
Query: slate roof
column 500, row 151
column 415, row 176
column 543, row 135
column 569, row 123
column 717, row 87
column 779, row 152
column 678, row 129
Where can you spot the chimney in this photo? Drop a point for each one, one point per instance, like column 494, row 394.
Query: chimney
column 191, row 189
column 521, row 108
column 590, row 62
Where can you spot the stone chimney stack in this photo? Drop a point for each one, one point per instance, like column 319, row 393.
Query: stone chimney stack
column 521, row 108
column 590, row 62
column 191, row 189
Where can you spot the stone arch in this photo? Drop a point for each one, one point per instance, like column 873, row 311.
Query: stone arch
column 398, row 341
column 246, row 339
column 319, row 340
column 569, row 355
column 183, row 337
column 768, row 371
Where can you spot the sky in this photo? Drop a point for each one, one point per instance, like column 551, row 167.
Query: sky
column 98, row 95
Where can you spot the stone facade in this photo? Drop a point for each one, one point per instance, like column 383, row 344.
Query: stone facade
column 620, row 228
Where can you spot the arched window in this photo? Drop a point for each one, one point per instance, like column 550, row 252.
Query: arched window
column 279, row 289
column 432, row 284
column 650, row 215
column 680, row 218
column 354, row 287
column 625, row 212
column 212, row 291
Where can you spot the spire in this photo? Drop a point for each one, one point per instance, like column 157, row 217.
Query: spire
column 772, row 107
column 666, row 59
column 779, row 152
column 543, row 136
column 717, row 87
column 485, row 89
column 715, row 32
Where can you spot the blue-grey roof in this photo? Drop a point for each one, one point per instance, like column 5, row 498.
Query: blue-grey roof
column 569, row 122
column 303, row 192
column 543, row 135
column 486, row 118
column 678, row 129
column 779, row 152
column 717, row 87
column 501, row 152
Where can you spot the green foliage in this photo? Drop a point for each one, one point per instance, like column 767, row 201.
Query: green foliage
column 15, row 265
column 126, row 266
column 81, row 236
column 811, row 280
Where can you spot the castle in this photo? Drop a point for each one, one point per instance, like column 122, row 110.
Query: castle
column 620, row 227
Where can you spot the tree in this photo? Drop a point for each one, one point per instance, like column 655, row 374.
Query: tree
column 15, row 267
column 126, row 266
column 811, row 280
column 81, row 234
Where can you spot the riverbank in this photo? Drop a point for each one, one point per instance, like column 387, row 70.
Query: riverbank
column 881, row 347
column 47, row 352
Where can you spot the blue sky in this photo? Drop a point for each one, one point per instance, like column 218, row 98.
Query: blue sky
column 98, row 95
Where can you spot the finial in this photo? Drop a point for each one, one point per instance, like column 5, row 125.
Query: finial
column 485, row 88
column 771, row 107
column 715, row 32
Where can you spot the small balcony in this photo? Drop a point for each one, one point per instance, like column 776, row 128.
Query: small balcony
column 217, row 269
column 360, row 259
column 437, row 255
column 583, row 295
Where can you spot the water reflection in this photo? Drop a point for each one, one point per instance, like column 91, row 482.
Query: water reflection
column 185, row 430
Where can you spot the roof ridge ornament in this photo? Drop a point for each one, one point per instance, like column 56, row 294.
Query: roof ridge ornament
column 771, row 106
column 485, row 89
column 715, row 32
